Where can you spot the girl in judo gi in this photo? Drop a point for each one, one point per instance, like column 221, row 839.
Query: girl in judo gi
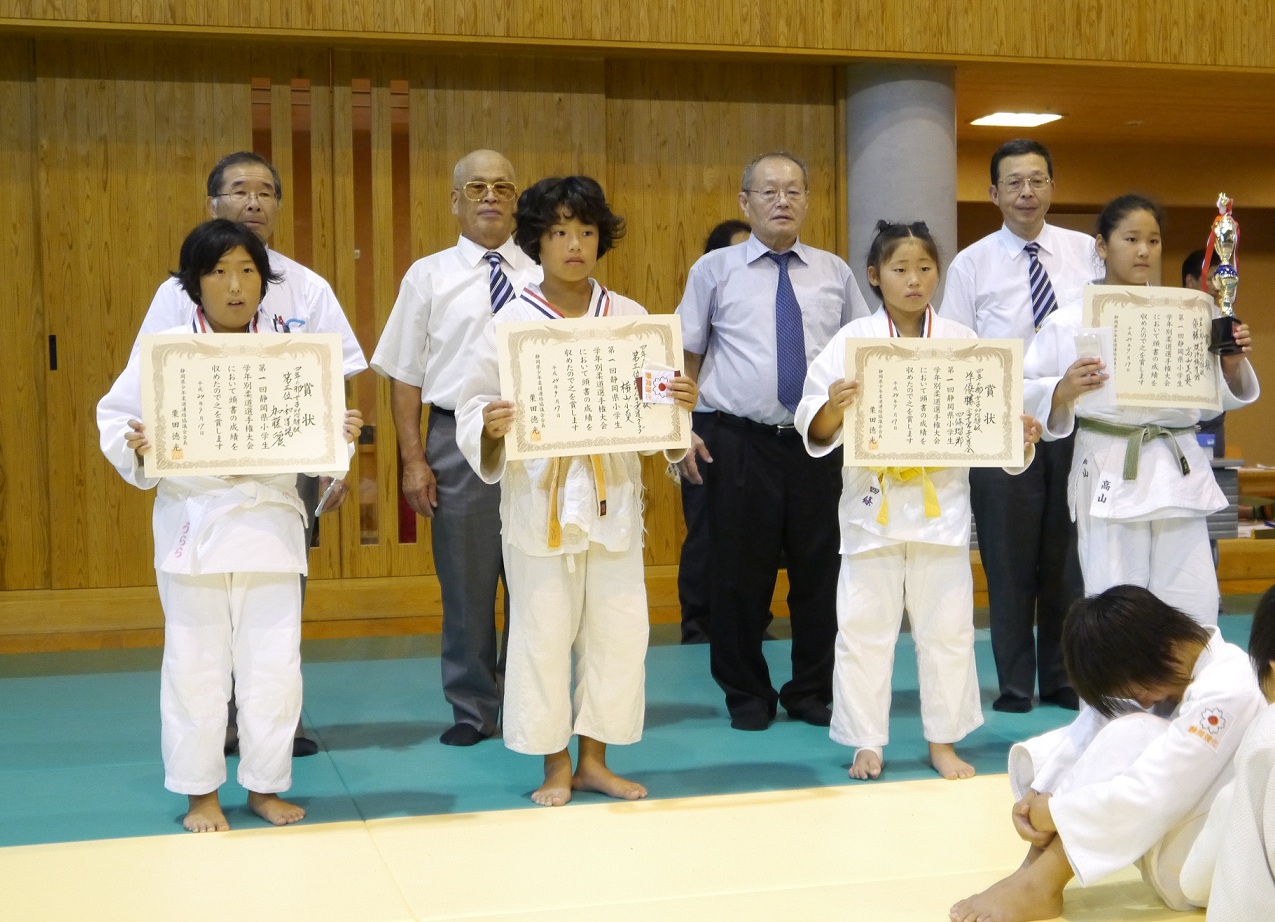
column 1232, row 864
column 904, row 536
column 1132, row 779
column 571, row 527
column 228, row 555
column 1141, row 487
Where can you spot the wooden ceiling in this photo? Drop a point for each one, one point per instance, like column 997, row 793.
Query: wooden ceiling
column 1120, row 104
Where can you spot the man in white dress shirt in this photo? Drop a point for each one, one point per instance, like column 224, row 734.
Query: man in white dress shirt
column 245, row 188
column 1001, row 287
column 443, row 308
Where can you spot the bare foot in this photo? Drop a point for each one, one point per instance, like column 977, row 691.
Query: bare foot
column 274, row 809
column 948, row 764
column 592, row 776
column 1033, row 892
column 556, row 790
column 867, row 765
column 205, row 814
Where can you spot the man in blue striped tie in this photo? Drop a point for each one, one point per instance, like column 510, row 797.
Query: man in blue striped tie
column 1003, row 286
column 444, row 306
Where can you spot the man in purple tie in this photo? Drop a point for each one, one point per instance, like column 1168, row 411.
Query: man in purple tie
column 1004, row 286
column 443, row 308
column 753, row 317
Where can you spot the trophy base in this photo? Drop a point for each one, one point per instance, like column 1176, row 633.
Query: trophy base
column 1222, row 340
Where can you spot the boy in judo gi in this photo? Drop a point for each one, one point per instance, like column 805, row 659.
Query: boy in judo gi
column 572, row 527
column 228, row 552
column 1131, row 780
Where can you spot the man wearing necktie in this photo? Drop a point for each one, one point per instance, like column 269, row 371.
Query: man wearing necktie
column 1004, row 286
column 443, row 308
column 753, row 316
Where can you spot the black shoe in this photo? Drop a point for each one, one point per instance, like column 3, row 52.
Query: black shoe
column 462, row 735
column 817, row 715
column 750, row 721
column 1012, row 704
column 1064, row 697
column 302, row 747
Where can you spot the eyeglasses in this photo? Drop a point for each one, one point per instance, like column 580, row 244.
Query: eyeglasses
column 770, row 196
column 241, row 197
column 477, row 191
column 1015, row 184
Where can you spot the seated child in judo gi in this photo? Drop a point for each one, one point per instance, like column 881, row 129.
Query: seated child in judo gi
column 1140, row 506
column 571, row 527
column 1132, row 778
column 1232, row 864
column 905, row 535
column 228, row 554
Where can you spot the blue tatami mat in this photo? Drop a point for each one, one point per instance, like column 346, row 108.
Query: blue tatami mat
column 79, row 740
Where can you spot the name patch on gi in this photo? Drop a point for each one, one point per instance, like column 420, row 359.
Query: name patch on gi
column 1209, row 726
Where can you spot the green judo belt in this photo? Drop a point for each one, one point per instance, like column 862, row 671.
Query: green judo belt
column 1135, row 437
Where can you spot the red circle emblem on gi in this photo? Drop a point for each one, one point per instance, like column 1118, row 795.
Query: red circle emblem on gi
column 1212, row 719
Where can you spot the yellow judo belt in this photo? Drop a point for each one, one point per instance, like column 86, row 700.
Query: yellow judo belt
column 554, row 479
column 1135, row 436
column 903, row 475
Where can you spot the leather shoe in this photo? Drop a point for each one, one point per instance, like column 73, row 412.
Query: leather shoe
column 462, row 735
column 1064, row 697
column 1012, row 704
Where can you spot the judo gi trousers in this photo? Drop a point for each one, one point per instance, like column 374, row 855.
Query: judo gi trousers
column 1170, row 557
column 465, row 533
column 245, row 625
column 933, row 582
column 581, row 615
column 1111, row 752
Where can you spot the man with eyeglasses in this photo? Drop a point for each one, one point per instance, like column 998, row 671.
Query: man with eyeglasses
column 1004, row 286
column 753, row 318
column 444, row 306
column 245, row 187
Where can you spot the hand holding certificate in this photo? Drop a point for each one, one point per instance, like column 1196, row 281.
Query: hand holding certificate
column 934, row 403
column 221, row 404
column 589, row 387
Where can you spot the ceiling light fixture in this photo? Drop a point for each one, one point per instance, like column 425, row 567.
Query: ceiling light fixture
column 1017, row 119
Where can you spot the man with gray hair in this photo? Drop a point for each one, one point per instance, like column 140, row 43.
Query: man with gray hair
column 753, row 318
column 443, row 308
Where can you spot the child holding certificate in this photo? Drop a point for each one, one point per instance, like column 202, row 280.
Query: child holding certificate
column 904, row 535
column 228, row 554
column 1141, row 487
column 571, row 526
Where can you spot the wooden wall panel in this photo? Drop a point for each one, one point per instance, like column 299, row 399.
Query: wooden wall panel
column 24, row 492
column 1200, row 33
column 126, row 134
column 678, row 137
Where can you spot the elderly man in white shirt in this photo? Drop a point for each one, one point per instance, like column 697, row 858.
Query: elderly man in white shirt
column 443, row 308
column 245, row 188
column 1003, row 286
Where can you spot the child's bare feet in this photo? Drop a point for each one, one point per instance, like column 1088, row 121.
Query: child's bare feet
column 556, row 790
column 1033, row 892
column 592, row 774
column 594, row 777
column 948, row 764
column 274, row 809
column 867, row 764
column 205, row 814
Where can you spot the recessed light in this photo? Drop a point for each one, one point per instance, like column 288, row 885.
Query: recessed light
column 1017, row 119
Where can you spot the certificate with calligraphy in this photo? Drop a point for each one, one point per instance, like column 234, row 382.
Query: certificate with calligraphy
column 235, row 403
column 935, row 403
column 574, row 384
column 1160, row 338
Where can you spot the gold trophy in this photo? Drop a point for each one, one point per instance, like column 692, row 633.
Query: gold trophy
column 1224, row 238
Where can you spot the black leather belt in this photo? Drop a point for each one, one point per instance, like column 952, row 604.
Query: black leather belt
column 442, row 411
column 748, row 425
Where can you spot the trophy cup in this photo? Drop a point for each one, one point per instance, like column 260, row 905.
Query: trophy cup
column 1223, row 239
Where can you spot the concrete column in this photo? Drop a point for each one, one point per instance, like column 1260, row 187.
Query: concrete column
column 900, row 155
